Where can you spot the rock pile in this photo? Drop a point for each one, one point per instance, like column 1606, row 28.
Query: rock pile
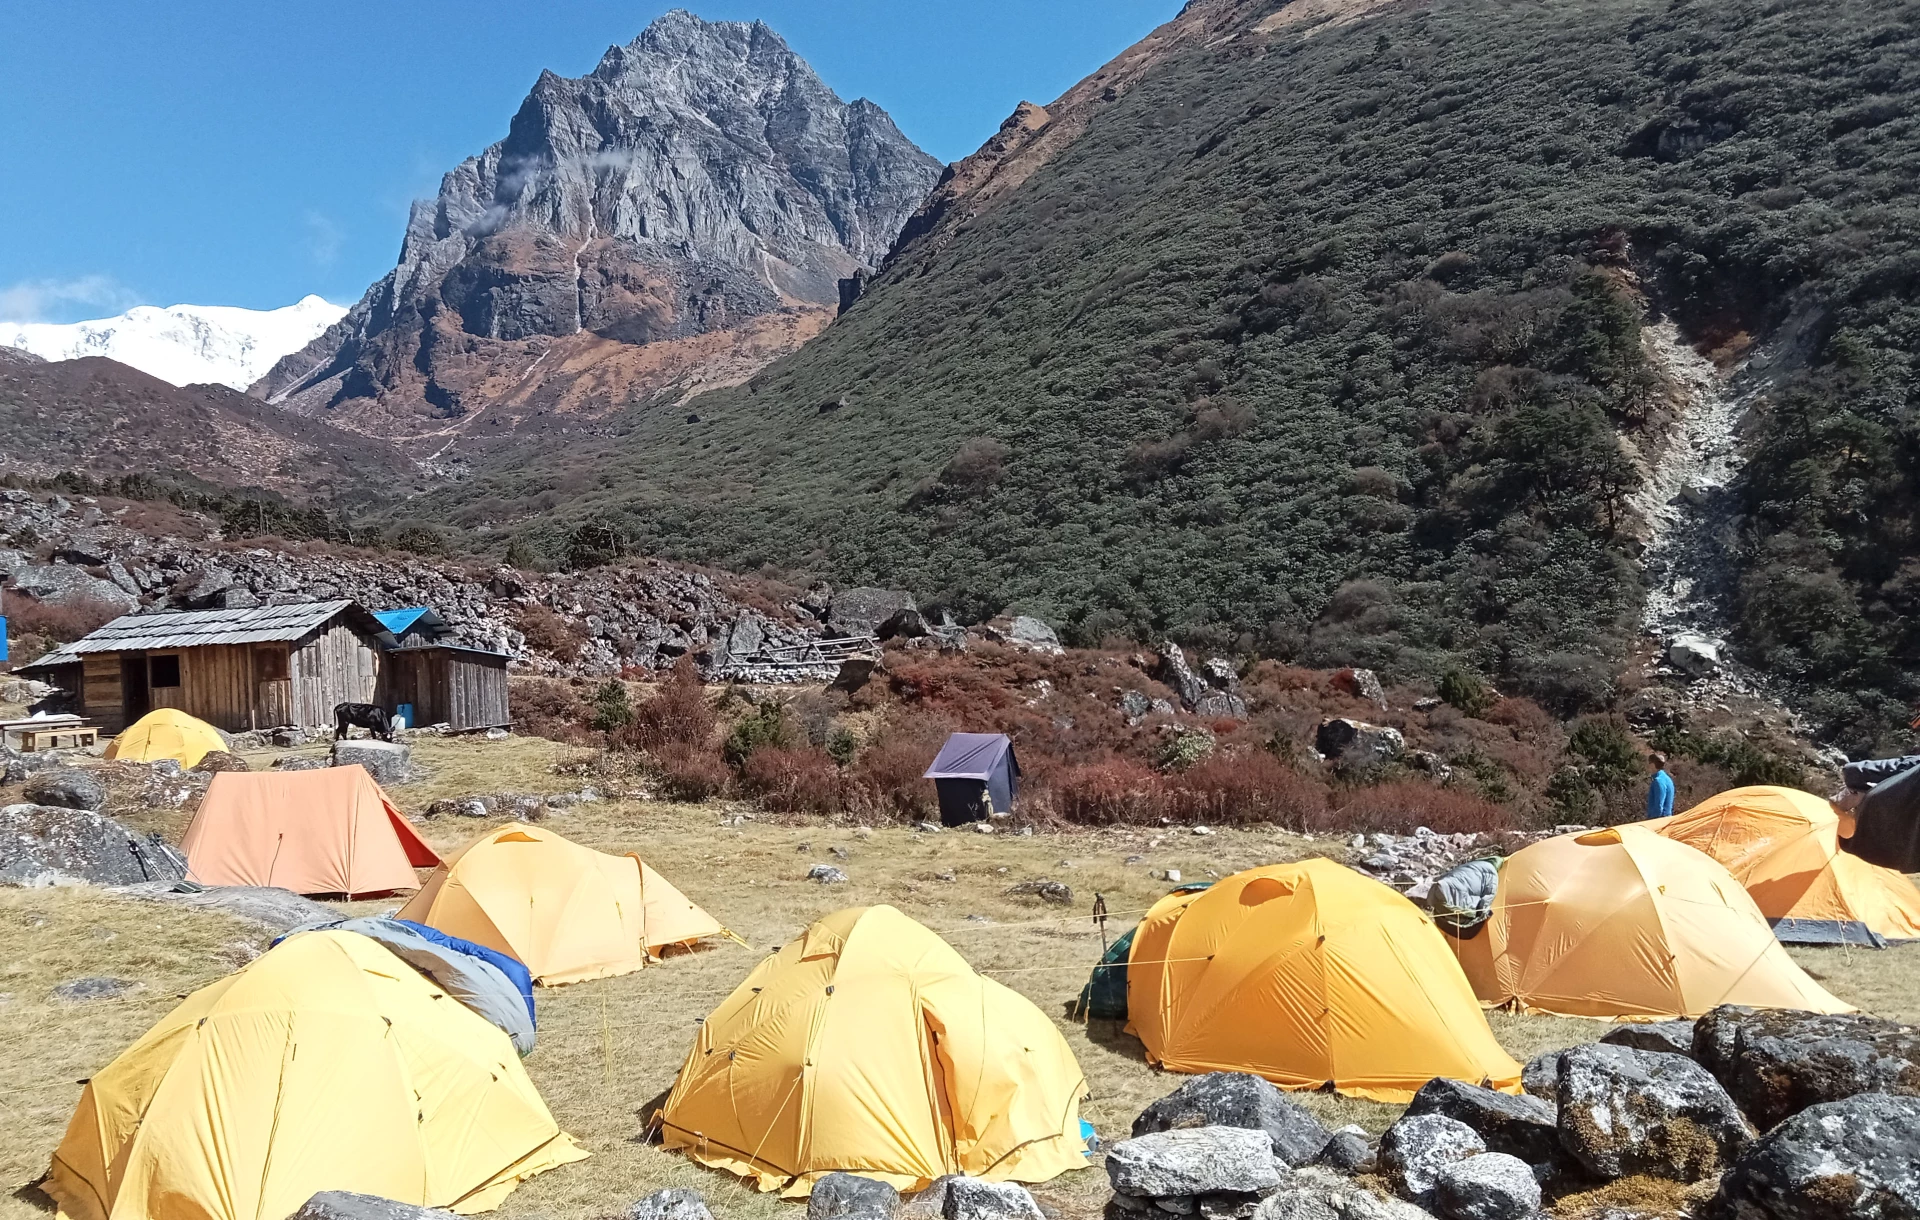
column 1774, row 1115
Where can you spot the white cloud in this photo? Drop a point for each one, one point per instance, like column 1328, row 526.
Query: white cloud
column 324, row 238
column 37, row 300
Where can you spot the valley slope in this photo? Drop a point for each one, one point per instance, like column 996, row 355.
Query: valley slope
column 1316, row 329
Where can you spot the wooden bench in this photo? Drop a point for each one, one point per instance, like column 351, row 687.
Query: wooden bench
column 52, row 734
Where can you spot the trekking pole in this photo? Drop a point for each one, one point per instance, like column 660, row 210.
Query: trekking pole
column 1100, row 920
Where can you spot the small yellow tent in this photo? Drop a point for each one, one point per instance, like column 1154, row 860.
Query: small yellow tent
column 869, row 1045
column 167, row 733
column 567, row 912
column 1309, row 975
column 1624, row 923
column 327, row 1064
column 1784, row 846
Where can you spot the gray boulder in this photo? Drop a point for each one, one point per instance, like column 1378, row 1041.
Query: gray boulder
column 672, row 1204
column 1213, row 692
column 470, row 807
column 1777, row 1062
column 345, row 1205
column 1316, row 1194
column 45, row 844
column 1193, row 1161
column 1625, row 1112
column 60, row 585
column 1522, row 1126
column 205, row 589
column 1059, row 893
column 1541, row 1076
column 848, row 1196
column 1838, row 1160
column 1667, row 1037
column 1347, row 1152
column 295, row 762
column 827, row 874
column 1493, row 1186
column 1025, row 631
column 1239, row 1099
column 268, row 906
column 1416, row 1148
column 965, row 1198
column 68, row 787
column 97, row 987
column 1357, row 743
column 866, row 611
column 389, row 762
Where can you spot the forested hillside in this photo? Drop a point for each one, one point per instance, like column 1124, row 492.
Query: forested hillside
column 1320, row 340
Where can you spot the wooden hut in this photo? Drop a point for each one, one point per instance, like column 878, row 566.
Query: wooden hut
column 462, row 688
column 235, row 669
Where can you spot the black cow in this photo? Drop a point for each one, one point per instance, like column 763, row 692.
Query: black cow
column 368, row 716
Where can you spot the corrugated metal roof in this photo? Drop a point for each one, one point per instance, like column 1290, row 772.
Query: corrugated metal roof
column 198, row 628
column 63, row 655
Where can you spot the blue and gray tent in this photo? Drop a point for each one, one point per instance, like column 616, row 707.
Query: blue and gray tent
column 486, row 981
column 976, row 775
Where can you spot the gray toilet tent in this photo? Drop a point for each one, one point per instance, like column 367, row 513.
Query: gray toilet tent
column 976, row 775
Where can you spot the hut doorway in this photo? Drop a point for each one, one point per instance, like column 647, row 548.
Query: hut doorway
column 136, row 696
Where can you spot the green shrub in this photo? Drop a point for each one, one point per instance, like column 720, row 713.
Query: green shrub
column 767, row 726
column 612, row 710
column 1609, row 756
column 1466, row 691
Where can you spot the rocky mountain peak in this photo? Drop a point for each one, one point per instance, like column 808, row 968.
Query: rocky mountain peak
column 700, row 178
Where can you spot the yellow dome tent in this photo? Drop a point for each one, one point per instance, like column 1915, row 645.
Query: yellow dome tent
column 1623, row 923
column 869, row 1045
column 326, row 1064
column 167, row 733
column 567, row 912
column 1784, row 846
column 1310, row 975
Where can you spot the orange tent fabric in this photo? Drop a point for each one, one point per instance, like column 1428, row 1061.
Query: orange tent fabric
column 329, row 831
column 1784, row 846
column 1310, row 975
column 567, row 912
column 1627, row 924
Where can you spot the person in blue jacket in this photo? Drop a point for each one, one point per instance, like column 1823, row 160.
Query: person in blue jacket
column 1660, row 791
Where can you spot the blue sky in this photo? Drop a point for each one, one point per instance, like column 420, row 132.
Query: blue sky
column 221, row 152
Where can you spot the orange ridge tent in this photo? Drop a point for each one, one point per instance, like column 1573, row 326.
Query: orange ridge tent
column 1784, row 846
column 1626, row 924
column 567, row 912
column 1312, row 976
column 325, row 831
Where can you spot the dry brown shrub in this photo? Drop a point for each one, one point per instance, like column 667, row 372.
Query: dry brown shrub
column 676, row 714
column 545, row 707
column 887, row 775
column 59, row 622
column 1249, row 787
column 689, row 772
column 798, row 779
column 1403, row 806
column 550, row 633
column 1113, row 790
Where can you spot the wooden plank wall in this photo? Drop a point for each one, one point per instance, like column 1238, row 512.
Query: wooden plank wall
column 448, row 687
column 334, row 665
column 476, row 691
column 101, row 699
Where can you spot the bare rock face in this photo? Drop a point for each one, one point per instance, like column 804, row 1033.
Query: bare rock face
column 700, row 176
column 1417, row 1147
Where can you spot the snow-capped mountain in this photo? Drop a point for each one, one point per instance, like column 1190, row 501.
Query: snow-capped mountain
column 184, row 344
